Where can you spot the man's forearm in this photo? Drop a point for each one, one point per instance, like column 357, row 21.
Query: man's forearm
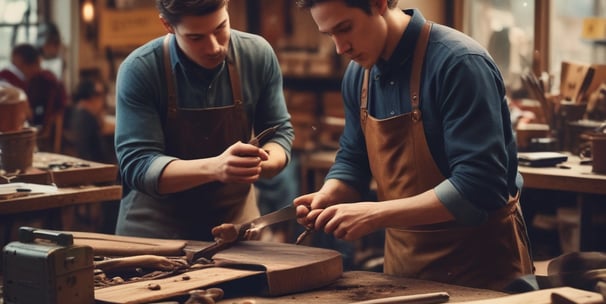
column 180, row 175
column 339, row 191
column 276, row 162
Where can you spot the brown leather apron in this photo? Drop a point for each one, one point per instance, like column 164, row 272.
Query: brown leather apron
column 201, row 133
column 488, row 256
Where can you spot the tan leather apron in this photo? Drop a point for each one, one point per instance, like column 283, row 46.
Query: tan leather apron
column 202, row 133
column 488, row 256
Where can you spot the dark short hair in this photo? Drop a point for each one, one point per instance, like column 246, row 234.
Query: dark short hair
column 174, row 10
column 27, row 52
column 361, row 4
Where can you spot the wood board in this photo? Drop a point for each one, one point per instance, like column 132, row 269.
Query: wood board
column 281, row 268
column 118, row 245
column 290, row 268
column 546, row 296
column 139, row 292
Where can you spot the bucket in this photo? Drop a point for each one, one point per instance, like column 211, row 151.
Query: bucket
column 17, row 149
column 13, row 116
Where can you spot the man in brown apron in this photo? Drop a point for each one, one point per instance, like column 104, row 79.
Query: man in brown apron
column 187, row 105
column 433, row 231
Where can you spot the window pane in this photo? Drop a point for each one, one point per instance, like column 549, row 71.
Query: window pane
column 13, row 12
column 566, row 30
column 18, row 21
column 506, row 29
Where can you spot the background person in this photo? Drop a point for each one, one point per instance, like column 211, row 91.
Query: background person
column 46, row 94
column 52, row 49
column 88, row 126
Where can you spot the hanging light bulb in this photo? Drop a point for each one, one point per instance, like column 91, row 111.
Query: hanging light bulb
column 88, row 11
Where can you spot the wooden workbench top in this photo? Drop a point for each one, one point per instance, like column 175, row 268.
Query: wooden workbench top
column 363, row 285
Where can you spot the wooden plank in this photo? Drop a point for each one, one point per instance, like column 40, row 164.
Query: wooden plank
column 118, row 245
column 138, row 292
column 547, row 296
column 290, row 268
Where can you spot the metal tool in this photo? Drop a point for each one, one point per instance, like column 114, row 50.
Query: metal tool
column 306, row 233
column 303, row 236
column 259, row 138
column 284, row 214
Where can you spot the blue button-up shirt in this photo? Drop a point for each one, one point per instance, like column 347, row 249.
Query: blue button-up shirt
column 464, row 112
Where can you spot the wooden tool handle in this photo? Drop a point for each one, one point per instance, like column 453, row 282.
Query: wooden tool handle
column 426, row 298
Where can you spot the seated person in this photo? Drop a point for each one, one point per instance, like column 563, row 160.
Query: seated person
column 46, row 94
column 87, row 124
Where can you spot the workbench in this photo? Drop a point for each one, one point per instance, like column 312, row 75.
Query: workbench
column 364, row 285
column 285, row 274
column 574, row 177
column 78, row 182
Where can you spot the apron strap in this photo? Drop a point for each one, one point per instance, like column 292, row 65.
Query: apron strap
column 415, row 81
column 364, row 92
column 234, row 77
column 417, row 67
column 170, row 80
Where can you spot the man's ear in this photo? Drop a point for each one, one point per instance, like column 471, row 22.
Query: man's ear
column 167, row 26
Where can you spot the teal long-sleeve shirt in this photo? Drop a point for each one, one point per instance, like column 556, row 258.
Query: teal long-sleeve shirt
column 465, row 116
column 141, row 102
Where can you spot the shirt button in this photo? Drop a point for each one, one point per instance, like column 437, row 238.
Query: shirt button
column 392, row 113
column 392, row 82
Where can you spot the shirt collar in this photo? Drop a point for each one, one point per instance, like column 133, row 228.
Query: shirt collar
column 190, row 66
column 405, row 48
column 15, row 70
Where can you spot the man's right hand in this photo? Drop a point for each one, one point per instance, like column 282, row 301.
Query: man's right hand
column 240, row 163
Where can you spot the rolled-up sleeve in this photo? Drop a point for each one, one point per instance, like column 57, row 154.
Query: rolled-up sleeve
column 139, row 137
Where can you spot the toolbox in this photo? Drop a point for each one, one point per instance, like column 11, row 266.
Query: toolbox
column 45, row 267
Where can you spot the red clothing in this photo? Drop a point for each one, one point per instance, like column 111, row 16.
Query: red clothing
column 10, row 77
column 47, row 96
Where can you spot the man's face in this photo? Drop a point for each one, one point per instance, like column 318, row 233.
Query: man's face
column 28, row 69
column 356, row 34
column 204, row 39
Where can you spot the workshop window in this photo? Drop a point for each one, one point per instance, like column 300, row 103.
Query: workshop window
column 534, row 36
column 566, row 34
column 18, row 24
column 506, row 29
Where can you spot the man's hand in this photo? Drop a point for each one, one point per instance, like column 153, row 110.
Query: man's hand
column 240, row 163
column 348, row 221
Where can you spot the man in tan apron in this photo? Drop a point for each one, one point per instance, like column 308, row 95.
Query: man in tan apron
column 427, row 237
column 187, row 105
